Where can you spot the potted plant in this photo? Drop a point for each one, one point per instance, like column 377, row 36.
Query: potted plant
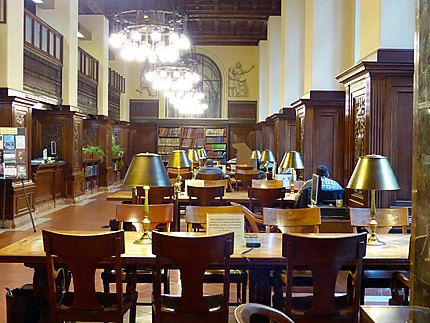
column 95, row 152
column 118, row 152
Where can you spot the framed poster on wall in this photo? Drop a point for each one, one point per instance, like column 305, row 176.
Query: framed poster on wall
column 13, row 153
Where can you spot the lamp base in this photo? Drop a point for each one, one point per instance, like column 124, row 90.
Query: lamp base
column 374, row 241
column 144, row 239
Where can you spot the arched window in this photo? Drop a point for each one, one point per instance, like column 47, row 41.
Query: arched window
column 210, row 85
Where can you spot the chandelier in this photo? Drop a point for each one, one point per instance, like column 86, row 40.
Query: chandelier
column 154, row 35
column 187, row 102
column 174, row 78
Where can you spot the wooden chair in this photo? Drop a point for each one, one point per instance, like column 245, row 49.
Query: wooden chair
column 265, row 197
column 298, row 185
column 130, row 218
column 158, row 194
column 324, row 256
column 82, row 255
column 211, row 195
column 244, row 178
column 244, row 167
column 292, row 220
column 399, row 285
column 217, row 182
column 196, row 215
column 387, row 219
column 209, row 176
column 263, row 183
column 192, row 255
column 244, row 312
column 252, row 219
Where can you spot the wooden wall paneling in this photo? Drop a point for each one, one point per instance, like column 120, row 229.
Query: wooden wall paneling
column 268, row 134
column 379, row 120
column 239, row 133
column 16, row 112
column 259, row 136
column 66, row 128
column 242, row 111
column 101, row 128
column 320, row 115
column 144, row 137
column 143, row 110
column 285, row 132
column 87, row 94
column 122, row 132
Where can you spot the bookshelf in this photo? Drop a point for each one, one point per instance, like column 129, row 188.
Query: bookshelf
column 168, row 140
column 216, row 143
column 192, row 137
column 91, row 170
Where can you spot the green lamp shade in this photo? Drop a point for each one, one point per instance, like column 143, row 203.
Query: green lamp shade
column 146, row 169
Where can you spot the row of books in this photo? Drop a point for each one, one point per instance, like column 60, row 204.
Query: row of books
column 213, row 140
column 216, row 132
column 168, row 141
column 216, row 154
column 91, row 183
column 192, row 142
column 92, row 170
column 169, row 132
column 192, row 132
column 166, row 149
column 216, row 146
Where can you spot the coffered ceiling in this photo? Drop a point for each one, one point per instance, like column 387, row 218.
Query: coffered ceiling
column 210, row 22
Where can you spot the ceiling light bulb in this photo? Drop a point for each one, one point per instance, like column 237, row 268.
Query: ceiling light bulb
column 116, row 40
column 135, row 36
column 156, row 36
column 184, row 42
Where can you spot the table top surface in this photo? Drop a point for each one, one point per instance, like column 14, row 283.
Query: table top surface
column 393, row 314
column 235, row 196
column 393, row 255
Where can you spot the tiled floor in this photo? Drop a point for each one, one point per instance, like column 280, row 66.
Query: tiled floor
column 91, row 214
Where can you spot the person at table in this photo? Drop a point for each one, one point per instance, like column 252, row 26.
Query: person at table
column 209, row 168
column 327, row 185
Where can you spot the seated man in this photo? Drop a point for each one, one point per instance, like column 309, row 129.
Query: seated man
column 327, row 185
column 209, row 168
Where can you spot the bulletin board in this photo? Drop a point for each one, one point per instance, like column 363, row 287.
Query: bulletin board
column 13, row 153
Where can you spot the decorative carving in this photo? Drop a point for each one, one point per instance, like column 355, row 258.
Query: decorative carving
column 116, row 133
column 20, row 118
column 51, row 131
column 302, row 135
column 237, row 82
column 359, row 117
column 77, row 146
column 90, row 137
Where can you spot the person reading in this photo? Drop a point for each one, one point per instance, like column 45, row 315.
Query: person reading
column 209, row 168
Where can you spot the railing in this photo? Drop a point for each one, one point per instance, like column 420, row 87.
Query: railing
column 88, row 65
column 42, row 37
column 116, row 81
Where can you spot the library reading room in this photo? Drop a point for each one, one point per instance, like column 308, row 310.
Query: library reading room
column 215, row 161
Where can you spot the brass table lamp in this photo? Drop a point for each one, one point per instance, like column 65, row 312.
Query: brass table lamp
column 292, row 160
column 256, row 155
column 192, row 156
column 373, row 172
column 202, row 155
column 146, row 169
column 268, row 157
column 178, row 159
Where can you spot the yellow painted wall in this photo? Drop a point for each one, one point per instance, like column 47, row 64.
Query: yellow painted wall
column 370, row 26
column 308, row 46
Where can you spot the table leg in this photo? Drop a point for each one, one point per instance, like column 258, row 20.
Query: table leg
column 259, row 286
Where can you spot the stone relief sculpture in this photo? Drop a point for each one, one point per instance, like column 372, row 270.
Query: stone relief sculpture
column 237, row 82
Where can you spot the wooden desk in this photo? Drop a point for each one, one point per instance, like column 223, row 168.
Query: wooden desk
column 393, row 314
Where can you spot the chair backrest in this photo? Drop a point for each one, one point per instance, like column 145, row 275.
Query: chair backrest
column 386, row 218
column 82, row 254
column 158, row 194
column 208, row 176
column 217, row 182
column 192, row 256
column 158, row 213
column 244, row 178
column 244, row 312
column 252, row 218
column 244, row 167
column 292, row 220
column 205, row 195
column 324, row 256
column 263, row 183
column 197, row 214
column 266, row 197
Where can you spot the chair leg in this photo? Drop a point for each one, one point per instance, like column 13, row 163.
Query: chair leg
column 166, row 281
column 132, row 314
column 243, row 294
column 238, row 294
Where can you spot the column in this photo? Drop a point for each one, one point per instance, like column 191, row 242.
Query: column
column 420, row 251
column 273, row 62
column 64, row 17
column 98, row 46
column 262, row 76
column 385, row 24
column 292, row 51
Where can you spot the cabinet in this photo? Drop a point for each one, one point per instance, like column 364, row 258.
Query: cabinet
column 91, row 170
column 168, row 140
column 216, row 143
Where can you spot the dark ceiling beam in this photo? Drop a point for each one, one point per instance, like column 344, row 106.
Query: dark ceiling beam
column 95, row 7
column 244, row 14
